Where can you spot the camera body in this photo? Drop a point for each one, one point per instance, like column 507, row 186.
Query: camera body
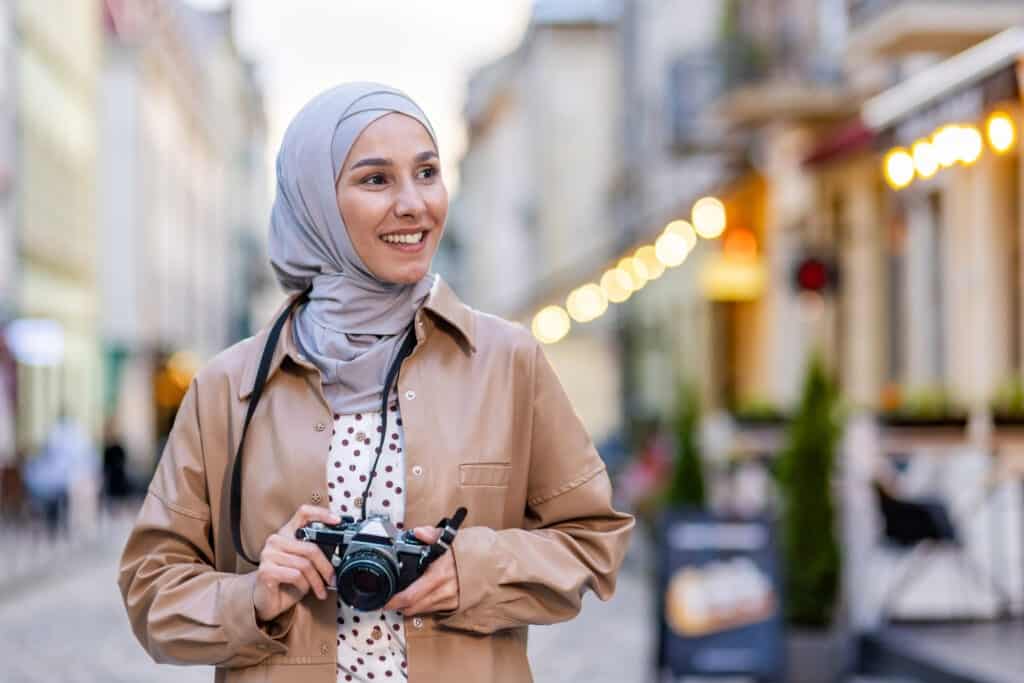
column 372, row 559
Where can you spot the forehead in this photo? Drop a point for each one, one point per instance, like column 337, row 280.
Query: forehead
column 393, row 135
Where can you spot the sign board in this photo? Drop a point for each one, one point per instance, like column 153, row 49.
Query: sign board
column 720, row 603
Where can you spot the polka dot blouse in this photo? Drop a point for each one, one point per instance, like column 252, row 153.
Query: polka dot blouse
column 371, row 645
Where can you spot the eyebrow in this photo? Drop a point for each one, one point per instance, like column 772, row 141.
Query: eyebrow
column 377, row 161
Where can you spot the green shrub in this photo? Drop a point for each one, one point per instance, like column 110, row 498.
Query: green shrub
column 810, row 550
column 686, row 487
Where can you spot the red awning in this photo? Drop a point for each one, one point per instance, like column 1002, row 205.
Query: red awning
column 853, row 137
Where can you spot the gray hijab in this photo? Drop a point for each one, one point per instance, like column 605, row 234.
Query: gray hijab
column 353, row 323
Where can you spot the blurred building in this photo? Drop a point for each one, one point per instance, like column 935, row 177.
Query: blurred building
column 57, row 76
column 537, row 203
column 184, row 194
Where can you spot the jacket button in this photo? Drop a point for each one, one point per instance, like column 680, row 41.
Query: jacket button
column 358, row 502
column 417, row 471
column 417, row 622
column 324, row 647
column 410, row 395
column 316, row 497
column 320, row 426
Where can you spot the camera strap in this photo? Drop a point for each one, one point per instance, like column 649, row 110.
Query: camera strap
column 254, row 399
column 405, row 350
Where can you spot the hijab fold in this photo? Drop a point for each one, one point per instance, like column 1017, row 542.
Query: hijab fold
column 352, row 325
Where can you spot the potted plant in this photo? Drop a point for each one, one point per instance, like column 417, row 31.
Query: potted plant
column 1008, row 405
column 926, row 407
column 759, row 413
column 686, row 486
column 808, row 529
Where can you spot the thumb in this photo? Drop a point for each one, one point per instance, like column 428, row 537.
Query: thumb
column 427, row 534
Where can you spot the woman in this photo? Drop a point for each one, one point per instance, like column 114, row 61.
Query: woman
column 478, row 419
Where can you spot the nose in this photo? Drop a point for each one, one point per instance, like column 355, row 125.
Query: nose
column 409, row 202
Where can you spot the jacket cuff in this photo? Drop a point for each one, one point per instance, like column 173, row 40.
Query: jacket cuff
column 239, row 618
column 472, row 552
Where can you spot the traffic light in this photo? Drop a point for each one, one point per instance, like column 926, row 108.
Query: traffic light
column 815, row 274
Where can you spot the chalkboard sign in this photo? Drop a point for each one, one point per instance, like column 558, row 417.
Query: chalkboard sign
column 720, row 602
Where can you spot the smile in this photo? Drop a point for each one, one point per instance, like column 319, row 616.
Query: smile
column 407, row 238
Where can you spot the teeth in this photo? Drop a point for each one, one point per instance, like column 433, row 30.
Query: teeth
column 412, row 238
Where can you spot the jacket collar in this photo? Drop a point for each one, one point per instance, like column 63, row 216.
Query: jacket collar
column 442, row 303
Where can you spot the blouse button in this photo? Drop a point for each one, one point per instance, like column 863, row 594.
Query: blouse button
column 410, row 395
column 320, row 426
column 358, row 502
column 360, row 436
column 417, row 622
column 417, row 471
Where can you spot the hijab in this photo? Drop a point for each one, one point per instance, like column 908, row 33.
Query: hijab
column 354, row 322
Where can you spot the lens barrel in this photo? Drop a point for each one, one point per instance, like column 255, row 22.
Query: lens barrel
column 366, row 580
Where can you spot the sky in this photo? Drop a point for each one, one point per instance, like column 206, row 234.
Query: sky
column 428, row 49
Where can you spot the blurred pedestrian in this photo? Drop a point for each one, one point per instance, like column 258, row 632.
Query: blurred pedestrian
column 67, row 457
column 116, row 485
column 360, row 210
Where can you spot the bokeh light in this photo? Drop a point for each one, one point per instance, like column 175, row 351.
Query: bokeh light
column 971, row 144
column 551, row 324
column 899, row 168
column 926, row 159
column 1001, row 132
column 587, row 303
column 649, row 258
column 945, row 141
column 709, row 217
column 617, row 285
column 671, row 249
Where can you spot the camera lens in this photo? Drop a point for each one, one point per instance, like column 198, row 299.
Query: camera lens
column 367, row 580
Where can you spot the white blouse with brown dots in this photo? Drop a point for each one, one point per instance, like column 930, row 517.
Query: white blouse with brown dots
column 371, row 645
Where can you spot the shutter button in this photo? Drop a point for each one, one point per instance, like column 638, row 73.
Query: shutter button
column 417, row 471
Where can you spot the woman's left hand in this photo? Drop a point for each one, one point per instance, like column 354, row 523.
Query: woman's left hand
column 437, row 590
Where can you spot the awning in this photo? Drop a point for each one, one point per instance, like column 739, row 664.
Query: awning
column 959, row 88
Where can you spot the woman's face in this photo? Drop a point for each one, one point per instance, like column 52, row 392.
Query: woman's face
column 392, row 198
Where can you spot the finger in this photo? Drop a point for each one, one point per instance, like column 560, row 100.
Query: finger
column 439, row 600
column 310, row 551
column 428, row 534
column 306, row 514
column 281, row 577
column 415, row 592
column 312, row 577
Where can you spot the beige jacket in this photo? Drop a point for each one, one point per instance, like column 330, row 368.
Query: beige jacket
column 487, row 425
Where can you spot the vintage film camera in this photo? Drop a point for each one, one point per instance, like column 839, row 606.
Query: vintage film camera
column 372, row 559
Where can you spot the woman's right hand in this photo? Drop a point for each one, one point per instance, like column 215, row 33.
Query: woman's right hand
column 290, row 568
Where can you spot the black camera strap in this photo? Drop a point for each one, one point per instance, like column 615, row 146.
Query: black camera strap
column 254, row 399
column 405, row 350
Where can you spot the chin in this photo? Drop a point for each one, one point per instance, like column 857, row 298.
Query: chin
column 408, row 275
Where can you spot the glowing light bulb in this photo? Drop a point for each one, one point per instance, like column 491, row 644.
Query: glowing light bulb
column 899, row 168
column 709, row 217
column 551, row 324
column 1001, row 132
column 926, row 159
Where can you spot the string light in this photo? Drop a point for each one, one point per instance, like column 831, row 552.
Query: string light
column 551, row 324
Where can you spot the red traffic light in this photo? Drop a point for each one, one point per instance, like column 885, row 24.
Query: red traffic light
column 813, row 275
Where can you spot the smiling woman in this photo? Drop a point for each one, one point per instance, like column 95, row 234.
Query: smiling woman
column 387, row 403
column 393, row 199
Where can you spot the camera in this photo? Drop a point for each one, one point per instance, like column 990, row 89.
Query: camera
column 372, row 559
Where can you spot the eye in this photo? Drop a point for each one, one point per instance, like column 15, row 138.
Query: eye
column 430, row 171
column 375, row 179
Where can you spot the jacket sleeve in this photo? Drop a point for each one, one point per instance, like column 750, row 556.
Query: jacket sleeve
column 181, row 609
column 573, row 539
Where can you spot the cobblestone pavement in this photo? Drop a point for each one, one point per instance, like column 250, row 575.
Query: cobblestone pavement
column 72, row 629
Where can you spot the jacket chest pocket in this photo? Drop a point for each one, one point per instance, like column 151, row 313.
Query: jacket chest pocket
column 483, row 490
column 489, row 474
